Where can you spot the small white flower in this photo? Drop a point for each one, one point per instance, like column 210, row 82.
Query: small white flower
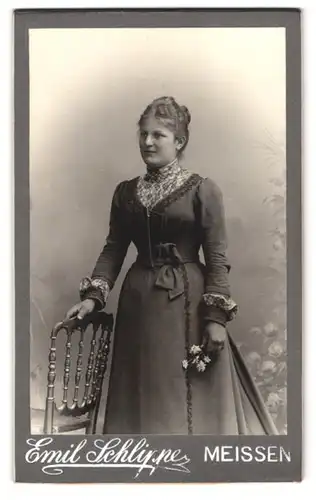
column 201, row 366
column 195, row 349
column 276, row 349
column 185, row 364
column 270, row 329
column 268, row 367
column 207, row 359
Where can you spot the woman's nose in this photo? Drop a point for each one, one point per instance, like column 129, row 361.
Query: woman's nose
column 148, row 140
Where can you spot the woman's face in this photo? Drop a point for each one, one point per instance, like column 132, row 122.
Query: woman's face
column 158, row 144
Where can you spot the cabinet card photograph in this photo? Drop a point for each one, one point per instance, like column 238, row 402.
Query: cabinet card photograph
column 158, row 265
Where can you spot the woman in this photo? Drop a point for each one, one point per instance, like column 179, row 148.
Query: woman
column 175, row 369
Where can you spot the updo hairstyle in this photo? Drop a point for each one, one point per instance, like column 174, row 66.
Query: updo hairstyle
column 174, row 116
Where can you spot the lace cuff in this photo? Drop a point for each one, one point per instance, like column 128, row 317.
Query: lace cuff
column 225, row 304
column 94, row 288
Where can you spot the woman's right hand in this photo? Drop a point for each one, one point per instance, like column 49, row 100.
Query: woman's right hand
column 81, row 309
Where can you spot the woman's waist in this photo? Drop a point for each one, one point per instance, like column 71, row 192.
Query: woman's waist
column 167, row 253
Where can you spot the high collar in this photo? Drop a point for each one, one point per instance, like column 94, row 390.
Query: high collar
column 157, row 174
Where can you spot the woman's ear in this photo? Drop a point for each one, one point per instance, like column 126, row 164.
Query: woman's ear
column 180, row 142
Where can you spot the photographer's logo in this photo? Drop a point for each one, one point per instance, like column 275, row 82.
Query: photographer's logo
column 115, row 453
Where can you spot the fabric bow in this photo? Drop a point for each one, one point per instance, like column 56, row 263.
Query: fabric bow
column 170, row 276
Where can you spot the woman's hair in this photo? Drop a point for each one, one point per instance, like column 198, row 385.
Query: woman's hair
column 172, row 115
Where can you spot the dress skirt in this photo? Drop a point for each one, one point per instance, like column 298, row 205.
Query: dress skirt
column 148, row 387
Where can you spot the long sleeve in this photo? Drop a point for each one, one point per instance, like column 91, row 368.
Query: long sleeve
column 111, row 258
column 218, row 305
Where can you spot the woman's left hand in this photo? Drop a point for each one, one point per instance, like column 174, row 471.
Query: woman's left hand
column 214, row 336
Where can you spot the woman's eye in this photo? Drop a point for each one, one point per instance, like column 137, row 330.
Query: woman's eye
column 154, row 135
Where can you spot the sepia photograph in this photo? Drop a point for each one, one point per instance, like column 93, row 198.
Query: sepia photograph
column 158, row 241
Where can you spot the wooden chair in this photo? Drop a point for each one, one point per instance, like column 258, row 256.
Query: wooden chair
column 83, row 414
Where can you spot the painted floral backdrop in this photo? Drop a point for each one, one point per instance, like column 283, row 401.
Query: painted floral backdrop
column 264, row 340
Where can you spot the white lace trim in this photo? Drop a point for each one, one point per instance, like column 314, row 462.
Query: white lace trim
column 155, row 185
column 226, row 304
column 88, row 284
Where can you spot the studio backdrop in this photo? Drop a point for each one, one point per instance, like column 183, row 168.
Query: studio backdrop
column 88, row 88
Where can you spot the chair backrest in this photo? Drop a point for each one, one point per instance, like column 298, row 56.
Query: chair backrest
column 99, row 347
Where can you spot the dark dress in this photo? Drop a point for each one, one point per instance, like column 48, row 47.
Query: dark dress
column 161, row 313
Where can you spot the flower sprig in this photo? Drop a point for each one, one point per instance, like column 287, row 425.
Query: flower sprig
column 196, row 358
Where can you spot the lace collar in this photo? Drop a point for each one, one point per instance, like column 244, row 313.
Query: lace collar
column 158, row 184
column 159, row 174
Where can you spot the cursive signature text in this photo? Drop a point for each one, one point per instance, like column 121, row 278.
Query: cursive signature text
column 132, row 453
